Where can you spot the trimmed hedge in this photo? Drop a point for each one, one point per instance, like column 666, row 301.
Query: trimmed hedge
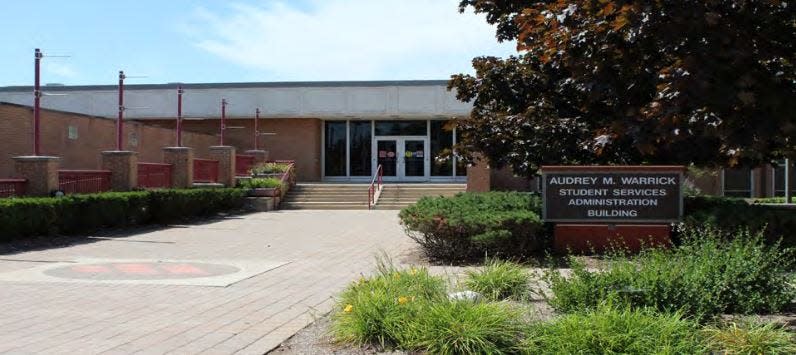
column 469, row 226
column 732, row 214
column 74, row 214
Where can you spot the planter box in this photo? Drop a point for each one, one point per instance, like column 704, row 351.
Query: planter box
column 269, row 175
column 265, row 192
column 260, row 204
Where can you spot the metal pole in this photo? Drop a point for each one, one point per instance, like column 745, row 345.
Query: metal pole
column 223, row 117
column 256, row 131
column 179, row 116
column 120, row 119
column 788, row 173
column 36, row 102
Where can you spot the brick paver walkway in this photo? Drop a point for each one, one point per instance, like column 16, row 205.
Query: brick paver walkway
column 325, row 250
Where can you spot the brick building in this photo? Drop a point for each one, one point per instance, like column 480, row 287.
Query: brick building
column 335, row 131
column 79, row 139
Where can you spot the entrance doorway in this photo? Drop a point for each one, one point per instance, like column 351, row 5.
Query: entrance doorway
column 402, row 158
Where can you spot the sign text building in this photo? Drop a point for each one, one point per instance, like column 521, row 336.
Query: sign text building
column 612, row 194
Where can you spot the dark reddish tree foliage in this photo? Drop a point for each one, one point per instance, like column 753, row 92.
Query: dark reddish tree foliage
column 708, row 82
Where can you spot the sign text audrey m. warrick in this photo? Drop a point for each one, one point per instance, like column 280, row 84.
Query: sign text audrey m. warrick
column 612, row 194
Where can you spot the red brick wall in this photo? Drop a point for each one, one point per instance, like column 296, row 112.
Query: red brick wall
column 95, row 134
column 296, row 139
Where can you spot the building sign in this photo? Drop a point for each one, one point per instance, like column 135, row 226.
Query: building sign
column 612, row 194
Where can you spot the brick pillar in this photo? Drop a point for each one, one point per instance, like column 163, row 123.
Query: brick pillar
column 479, row 176
column 260, row 156
column 41, row 173
column 226, row 163
column 181, row 160
column 124, row 169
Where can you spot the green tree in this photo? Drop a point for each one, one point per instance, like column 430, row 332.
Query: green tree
column 709, row 82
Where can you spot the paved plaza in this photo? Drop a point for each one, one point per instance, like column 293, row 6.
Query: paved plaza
column 240, row 284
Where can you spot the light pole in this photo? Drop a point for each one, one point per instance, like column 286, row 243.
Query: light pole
column 256, row 130
column 223, row 118
column 179, row 115
column 120, row 118
column 37, row 101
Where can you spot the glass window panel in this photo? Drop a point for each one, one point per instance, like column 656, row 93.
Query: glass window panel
column 738, row 182
column 401, row 128
column 779, row 179
column 334, row 148
column 461, row 167
column 360, row 149
column 441, row 146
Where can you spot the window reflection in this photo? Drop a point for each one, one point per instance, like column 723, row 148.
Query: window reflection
column 334, row 148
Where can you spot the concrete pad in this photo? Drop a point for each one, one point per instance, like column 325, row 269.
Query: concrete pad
column 216, row 273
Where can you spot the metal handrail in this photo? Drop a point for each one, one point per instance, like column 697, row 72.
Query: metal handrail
column 374, row 190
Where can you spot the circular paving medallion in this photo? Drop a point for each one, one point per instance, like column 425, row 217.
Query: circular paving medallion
column 141, row 270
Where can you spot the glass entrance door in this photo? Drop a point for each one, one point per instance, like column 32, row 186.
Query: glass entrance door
column 402, row 158
column 414, row 157
column 387, row 156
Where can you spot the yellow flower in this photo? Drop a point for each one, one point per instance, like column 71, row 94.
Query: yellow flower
column 361, row 279
column 397, row 276
column 413, row 271
column 348, row 308
column 403, row 300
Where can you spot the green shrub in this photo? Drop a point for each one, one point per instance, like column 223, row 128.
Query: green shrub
column 464, row 327
column 75, row 214
column 702, row 277
column 174, row 205
column 499, row 280
column 256, row 183
column 750, row 337
column 469, row 226
column 379, row 310
column 611, row 330
column 91, row 212
column 731, row 214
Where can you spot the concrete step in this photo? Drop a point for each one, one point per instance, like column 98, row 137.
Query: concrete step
column 324, row 206
column 359, row 199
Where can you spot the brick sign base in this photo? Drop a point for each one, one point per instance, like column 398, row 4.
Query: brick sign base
column 596, row 238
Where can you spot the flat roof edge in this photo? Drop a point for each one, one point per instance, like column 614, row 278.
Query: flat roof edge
column 237, row 85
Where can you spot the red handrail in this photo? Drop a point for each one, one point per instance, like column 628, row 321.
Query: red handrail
column 12, row 187
column 84, row 181
column 154, row 175
column 375, row 187
column 205, row 170
column 244, row 164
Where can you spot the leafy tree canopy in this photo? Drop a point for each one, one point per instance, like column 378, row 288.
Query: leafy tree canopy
column 708, row 82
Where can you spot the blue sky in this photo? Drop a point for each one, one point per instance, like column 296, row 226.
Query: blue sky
column 231, row 41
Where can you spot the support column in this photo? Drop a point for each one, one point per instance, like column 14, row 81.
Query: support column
column 124, row 169
column 788, row 179
column 41, row 173
column 226, row 163
column 479, row 176
column 181, row 160
column 260, row 156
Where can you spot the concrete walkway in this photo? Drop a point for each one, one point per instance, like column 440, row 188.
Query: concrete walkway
column 290, row 264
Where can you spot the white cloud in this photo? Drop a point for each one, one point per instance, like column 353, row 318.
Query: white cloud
column 347, row 39
column 64, row 71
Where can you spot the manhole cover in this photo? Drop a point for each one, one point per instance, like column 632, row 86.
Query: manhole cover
column 141, row 271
